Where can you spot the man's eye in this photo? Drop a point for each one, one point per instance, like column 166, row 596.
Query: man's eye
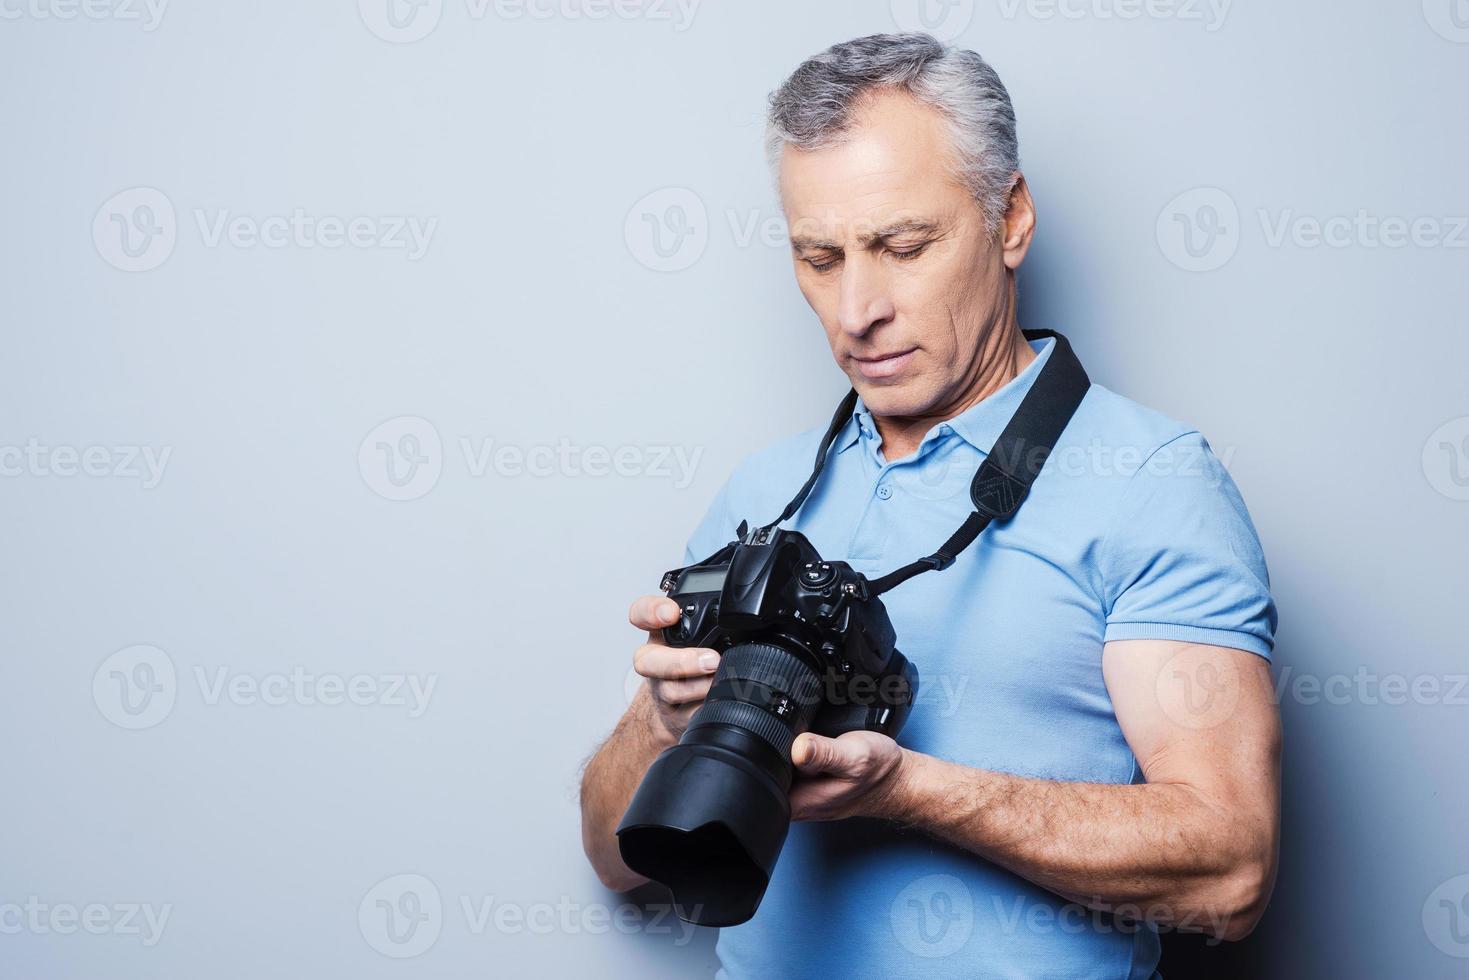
column 907, row 253
column 821, row 266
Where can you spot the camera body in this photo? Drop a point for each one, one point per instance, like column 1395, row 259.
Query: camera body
column 804, row 645
column 773, row 588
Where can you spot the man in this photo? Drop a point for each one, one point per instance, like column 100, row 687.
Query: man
column 1095, row 749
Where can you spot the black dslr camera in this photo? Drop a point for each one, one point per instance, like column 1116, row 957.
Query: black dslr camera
column 806, row 647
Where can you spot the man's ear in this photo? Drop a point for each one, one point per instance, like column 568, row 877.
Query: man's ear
column 1018, row 228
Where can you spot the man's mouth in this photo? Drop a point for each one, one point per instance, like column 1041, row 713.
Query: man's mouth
column 883, row 366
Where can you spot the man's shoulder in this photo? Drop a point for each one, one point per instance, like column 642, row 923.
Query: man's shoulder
column 1122, row 426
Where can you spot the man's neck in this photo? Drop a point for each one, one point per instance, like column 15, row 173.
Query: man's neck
column 1005, row 356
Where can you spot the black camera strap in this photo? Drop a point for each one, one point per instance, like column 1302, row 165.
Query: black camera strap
column 1002, row 481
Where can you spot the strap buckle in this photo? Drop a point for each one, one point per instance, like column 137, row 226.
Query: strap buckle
column 938, row 561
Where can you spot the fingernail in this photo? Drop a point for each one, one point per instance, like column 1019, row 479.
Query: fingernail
column 667, row 612
column 709, row 661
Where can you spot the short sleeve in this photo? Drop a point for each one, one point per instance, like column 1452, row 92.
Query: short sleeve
column 1181, row 559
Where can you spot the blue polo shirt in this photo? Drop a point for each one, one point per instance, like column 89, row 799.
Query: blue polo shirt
column 1133, row 530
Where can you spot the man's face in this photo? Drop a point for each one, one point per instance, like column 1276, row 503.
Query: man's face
column 893, row 255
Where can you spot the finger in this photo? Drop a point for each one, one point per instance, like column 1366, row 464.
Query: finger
column 680, row 692
column 816, row 753
column 658, row 662
column 653, row 612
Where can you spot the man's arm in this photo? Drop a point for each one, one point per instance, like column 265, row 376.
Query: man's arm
column 1193, row 847
column 677, row 681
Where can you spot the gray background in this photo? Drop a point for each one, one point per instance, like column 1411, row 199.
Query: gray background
column 543, row 314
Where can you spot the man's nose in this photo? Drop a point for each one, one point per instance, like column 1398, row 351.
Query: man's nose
column 863, row 301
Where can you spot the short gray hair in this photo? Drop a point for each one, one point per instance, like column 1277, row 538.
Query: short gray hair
column 813, row 107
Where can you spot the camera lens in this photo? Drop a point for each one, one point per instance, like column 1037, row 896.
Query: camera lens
column 711, row 815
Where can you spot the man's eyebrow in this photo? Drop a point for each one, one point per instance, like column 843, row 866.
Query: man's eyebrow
column 921, row 225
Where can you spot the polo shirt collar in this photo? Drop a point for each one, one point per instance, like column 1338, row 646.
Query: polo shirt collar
column 979, row 425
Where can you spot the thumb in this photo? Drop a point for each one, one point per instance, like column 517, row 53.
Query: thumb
column 814, row 753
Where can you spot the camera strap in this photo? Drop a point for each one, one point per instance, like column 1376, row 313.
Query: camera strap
column 1003, row 480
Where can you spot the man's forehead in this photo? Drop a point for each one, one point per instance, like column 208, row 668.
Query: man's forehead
column 889, row 173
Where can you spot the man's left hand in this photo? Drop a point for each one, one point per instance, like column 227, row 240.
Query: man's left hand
column 853, row 775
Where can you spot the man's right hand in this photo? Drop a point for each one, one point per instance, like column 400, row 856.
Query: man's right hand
column 676, row 682
column 677, row 679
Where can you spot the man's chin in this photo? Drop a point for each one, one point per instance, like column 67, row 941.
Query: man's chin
column 895, row 400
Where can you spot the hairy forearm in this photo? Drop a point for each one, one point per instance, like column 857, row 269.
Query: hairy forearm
column 1164, row 849
column 608, row 782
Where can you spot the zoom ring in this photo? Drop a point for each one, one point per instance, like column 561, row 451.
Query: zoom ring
column 757, row 721
column 766, row 664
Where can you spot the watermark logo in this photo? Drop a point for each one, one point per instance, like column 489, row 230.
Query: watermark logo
column 136, row 687
column 667, row 230
column 1448, row 18
column 1210, row 13
column 135, row 230
column 944, row 19
column 145, row 464
column 1044, row 917
column 1199, row 230
column 401, row 916
column 406, row 21
column 1446, row 917
column 1446, row 459
column 401, row 21
column 1197, row 693
column 1362, row 230
column 143, row 920
column 1367, row 687
column 401, row 459
column 148, row 13
column 933, row 916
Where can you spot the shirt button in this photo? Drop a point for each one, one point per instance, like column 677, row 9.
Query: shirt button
column 884, row 492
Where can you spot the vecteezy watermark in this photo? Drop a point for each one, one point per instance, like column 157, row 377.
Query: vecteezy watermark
column 1044, row 916
column 406, row 21
column 143, row 920
column 135, row 687
column 138, row 686
column 1200, row 230
column 147, row 13
column 137, row 229
column 301, row 687
column 1362, row 229
column 402, row 916
column 1197, row 690
column 667, row 230
column 1448, row 18
column 940, row 695
column 390, row 232
column 1210, row 13
column 1446, row 459
column 1446, row 917
column 933, row 917
column 1368, row 687
column 944, row 19
column 403, row 458
column 36, row 459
